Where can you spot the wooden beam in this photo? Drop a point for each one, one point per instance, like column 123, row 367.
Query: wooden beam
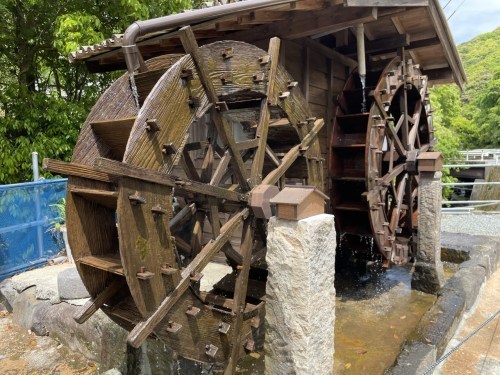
column 439, row 21
column 190, row 46
column 320, row 23
column 264, row 116
column 315, row 22
column 93, row 304
column 287, row 160
column 386, row 3
column 330, row 53
column 240, row 292
column 143, row 329
column 117, row 168
column 305, row 71
column 75, row 169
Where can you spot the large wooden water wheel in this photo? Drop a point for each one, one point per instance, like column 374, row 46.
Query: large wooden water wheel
column 378, row 133
column 160, row 184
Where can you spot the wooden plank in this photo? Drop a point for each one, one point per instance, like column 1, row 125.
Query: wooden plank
column 94, row 304
column 330, row 53
column 208, row 164
column 75, row 169
column 240, row 292
column 188, row 166
column 190, row 46
column 245, row 145
column 182, row 217
column 386, row 3
column 274, row 176
column 107, row 263
column 305, row 71
column 121, row 169
column 221, row 169
column 103, row 197
column 143, row 329
column 114, row 133
column 145, row 241
column 264, row 116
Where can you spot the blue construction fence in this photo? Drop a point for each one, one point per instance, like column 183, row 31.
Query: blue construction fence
column 28, row 215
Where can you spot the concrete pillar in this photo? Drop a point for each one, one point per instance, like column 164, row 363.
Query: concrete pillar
column 428, row 275
column 300, row 301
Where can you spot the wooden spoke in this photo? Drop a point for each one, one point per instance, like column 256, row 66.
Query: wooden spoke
column 274, row 176
column 191, row 46
column 121, row 169
column 240, row 293
column 188, row 166
column 143, row 329
column 263, row 125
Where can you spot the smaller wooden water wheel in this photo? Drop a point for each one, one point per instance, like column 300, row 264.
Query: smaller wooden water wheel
column 161, row 182
column 373, row 161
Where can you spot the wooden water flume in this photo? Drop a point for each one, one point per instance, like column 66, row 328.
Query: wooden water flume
column 160, row 183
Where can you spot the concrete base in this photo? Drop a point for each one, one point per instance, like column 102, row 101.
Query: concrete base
column 300, row 296
column 479, row 257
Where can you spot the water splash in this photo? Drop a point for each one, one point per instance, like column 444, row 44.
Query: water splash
column 362, row 78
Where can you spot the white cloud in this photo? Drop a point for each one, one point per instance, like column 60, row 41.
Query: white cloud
column 472, row 17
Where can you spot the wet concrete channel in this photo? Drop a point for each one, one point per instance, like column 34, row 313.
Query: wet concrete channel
column 378, row 314
column 375, row 313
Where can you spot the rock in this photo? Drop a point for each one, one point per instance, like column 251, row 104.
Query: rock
column 299, row 325
column 414, row 359
column 113, row 371
column 70, row 285
column 44, row 279
column 7, row 294
column 42, row 360
column 26, row 308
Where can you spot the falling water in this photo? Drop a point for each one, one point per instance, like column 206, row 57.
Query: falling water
column 362, row 78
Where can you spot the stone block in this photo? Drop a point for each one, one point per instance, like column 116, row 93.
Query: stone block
column 300, row 296
column 415, row 358
column 25, row 307
column 429, row 273
column 7, row 294
column 70, row 285
column 44, row 279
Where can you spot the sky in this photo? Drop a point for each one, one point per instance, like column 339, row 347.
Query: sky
column 472, row 17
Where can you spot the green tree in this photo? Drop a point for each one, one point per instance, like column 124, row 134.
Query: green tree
column 43, row 98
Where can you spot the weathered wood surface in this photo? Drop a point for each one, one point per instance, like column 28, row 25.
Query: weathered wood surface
column 92, row 305
column 143, row 329
column 145, row 242
column 178, row 137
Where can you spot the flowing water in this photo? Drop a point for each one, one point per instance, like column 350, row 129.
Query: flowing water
column 375, row 312
column 362, row 78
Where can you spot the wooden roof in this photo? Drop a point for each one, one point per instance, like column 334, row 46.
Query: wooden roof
column 295, row 195
column 419, row 26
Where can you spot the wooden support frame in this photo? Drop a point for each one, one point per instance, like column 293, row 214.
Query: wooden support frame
column 143, row 329
column 117, row 168
column 263, row 126
column 191, row 46
column 287, row 160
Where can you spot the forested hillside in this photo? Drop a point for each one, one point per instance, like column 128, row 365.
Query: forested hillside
column 471, row 119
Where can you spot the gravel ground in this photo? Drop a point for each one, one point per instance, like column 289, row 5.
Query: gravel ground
column 475, row 224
